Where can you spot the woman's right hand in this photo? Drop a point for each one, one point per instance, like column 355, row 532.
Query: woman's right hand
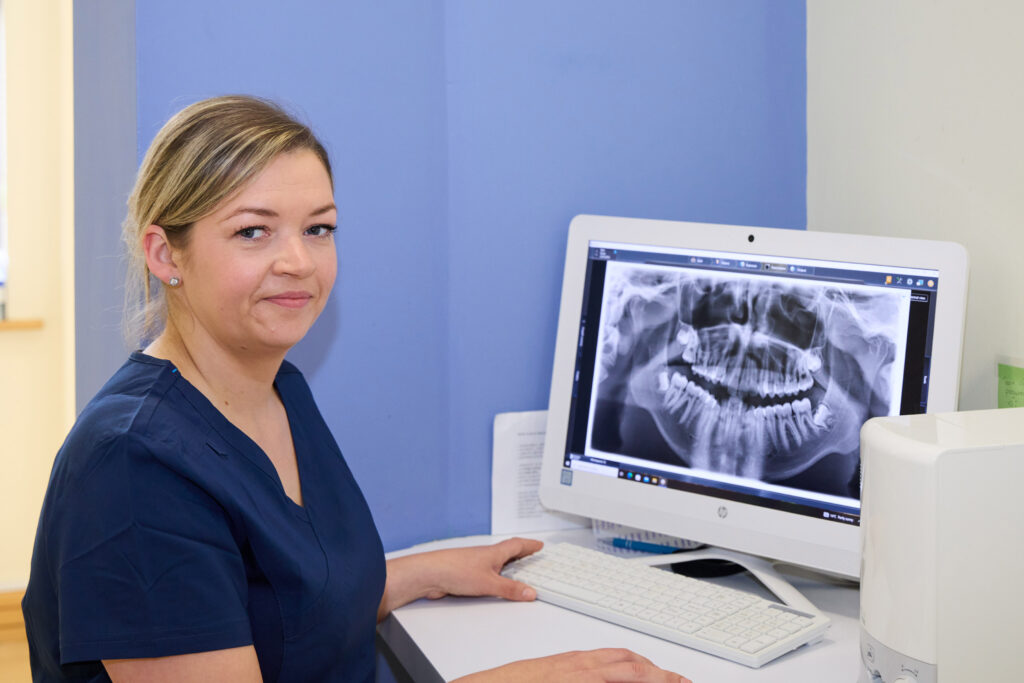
column 609, row 665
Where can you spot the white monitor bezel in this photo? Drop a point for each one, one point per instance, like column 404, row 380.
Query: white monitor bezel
column 786, row 537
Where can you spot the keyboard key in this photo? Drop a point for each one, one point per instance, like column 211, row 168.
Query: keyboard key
column 714, row 635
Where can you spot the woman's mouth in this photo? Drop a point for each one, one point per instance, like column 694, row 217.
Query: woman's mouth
column 290, row 299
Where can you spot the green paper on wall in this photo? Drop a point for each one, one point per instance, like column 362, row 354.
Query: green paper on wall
column 1011, row 383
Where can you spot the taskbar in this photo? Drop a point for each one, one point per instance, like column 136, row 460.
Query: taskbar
column 726, row 491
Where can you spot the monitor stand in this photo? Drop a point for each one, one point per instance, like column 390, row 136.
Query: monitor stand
column 761, row 569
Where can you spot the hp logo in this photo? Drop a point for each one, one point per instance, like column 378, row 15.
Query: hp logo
column 723, row 512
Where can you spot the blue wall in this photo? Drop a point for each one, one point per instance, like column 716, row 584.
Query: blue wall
column 465, row 135
column 678, row 110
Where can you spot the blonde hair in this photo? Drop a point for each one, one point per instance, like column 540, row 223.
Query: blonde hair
column 204, row 154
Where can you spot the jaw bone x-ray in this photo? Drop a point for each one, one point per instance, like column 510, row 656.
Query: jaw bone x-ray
column 757, row 377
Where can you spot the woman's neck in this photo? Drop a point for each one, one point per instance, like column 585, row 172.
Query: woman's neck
column 237, row 384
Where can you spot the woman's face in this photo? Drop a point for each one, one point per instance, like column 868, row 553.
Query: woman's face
column 257, row 271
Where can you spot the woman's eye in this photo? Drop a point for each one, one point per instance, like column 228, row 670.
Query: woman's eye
column 251, row 232
column 321, row 230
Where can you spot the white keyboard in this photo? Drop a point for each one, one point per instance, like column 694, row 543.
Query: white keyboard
column 699, row 614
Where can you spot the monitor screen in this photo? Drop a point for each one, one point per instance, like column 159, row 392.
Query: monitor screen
column 714, row 379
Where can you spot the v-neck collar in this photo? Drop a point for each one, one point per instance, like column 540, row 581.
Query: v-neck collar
column 235, row 437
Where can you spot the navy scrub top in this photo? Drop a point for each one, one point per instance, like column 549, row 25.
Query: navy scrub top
column 165, row 530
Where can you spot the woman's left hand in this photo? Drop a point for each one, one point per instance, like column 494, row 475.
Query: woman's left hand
column 474, row 570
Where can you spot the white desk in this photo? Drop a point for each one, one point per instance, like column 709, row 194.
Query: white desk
column 438, row 640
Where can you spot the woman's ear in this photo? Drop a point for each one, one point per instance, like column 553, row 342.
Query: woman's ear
column 159, row 256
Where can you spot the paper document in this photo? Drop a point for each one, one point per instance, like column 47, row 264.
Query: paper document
column 515, row 477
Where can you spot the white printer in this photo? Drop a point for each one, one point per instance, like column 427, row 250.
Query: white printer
column 942, row 576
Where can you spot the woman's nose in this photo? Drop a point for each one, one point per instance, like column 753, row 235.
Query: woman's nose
column 295, row 258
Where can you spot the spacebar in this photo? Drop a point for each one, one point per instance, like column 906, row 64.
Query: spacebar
column 569, row 590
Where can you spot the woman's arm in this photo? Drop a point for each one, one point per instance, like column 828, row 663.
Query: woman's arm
column 457, row 571
column 237, row 664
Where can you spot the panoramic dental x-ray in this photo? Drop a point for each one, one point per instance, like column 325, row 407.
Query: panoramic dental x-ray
column 754, row 376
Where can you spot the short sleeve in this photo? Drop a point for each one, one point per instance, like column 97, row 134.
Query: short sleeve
column 146, row 562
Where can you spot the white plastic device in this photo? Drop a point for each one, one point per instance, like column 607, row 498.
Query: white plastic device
column 943, row 549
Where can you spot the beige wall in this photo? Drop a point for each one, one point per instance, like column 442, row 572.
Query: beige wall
column 914, row 129
column 36, row 366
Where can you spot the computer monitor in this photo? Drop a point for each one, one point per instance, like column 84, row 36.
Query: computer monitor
column 710, row 381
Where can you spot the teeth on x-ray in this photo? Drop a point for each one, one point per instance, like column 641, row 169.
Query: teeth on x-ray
column 754, row 377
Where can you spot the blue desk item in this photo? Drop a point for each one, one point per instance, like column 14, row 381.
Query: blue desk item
column 643, row 546
column 165, row 530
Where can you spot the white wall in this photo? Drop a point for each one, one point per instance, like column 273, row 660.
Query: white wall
column 36, row 366
column 915, row 129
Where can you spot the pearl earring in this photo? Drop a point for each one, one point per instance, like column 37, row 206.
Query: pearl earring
column 174, row 282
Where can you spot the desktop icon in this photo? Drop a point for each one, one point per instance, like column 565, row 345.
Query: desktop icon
column 646, row 479
column 654, row 480
column 888, row 279
column 920, row 282
column 931, row 283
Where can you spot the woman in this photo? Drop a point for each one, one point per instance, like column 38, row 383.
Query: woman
column 201, row 523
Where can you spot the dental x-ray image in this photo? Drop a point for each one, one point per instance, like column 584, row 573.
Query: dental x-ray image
column 758, row 377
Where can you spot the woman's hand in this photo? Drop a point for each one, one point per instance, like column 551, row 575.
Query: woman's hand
column 477, row 570
column 474, row 570
column 593, row 666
